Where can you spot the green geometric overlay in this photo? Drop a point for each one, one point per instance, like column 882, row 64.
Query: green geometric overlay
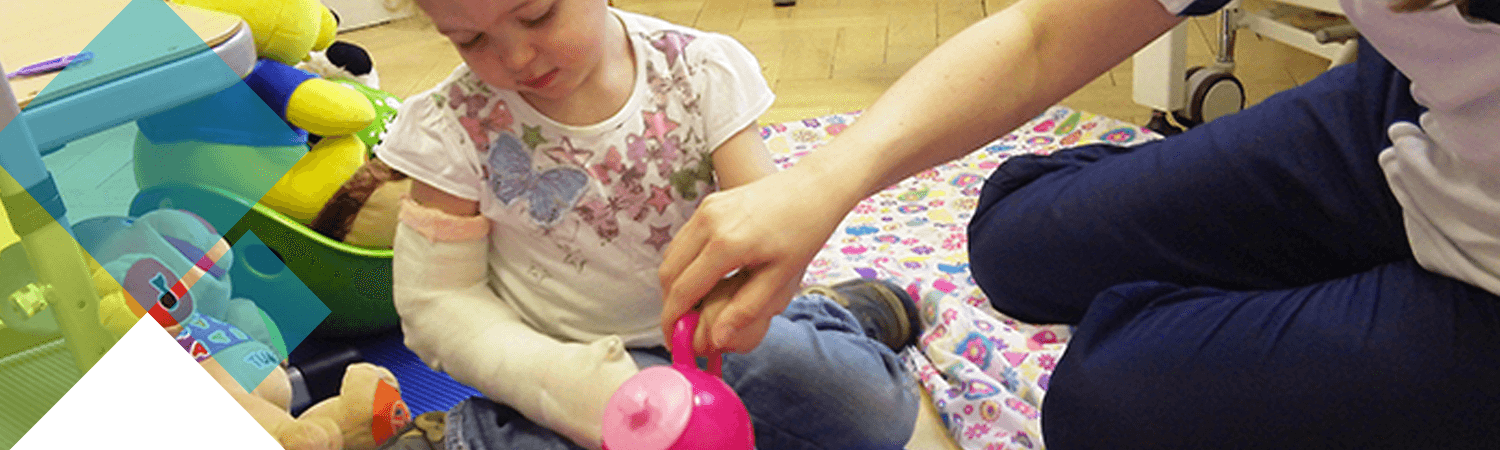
column 229, row 143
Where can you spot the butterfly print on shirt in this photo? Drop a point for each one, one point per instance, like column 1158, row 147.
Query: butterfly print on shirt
column 471, row 103
column 481, row 126
column 566, row 153
column 549, row 193
column 612, row 164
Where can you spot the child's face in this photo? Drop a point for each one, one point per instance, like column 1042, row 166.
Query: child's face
column 546, row 48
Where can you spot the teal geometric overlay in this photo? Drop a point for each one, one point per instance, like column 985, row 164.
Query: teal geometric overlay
column 290, row 317
column 227, row 142
column 144, row 35
column 293, row 308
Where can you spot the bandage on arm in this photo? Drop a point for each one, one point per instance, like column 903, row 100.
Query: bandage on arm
column 454, row 321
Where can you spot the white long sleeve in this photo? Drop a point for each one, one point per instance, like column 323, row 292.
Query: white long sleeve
column 454, row 321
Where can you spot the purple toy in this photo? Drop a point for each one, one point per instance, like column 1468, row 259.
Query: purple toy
column 679, row 407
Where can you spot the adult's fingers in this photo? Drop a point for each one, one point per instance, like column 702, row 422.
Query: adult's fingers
column 697, row 281
column 766, row 292
column 713, row 303
column 698, row 258
column 748, row 337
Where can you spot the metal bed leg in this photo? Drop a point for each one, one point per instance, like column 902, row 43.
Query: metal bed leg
column 1228, row 24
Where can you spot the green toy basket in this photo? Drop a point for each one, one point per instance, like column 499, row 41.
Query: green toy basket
column 354, row 282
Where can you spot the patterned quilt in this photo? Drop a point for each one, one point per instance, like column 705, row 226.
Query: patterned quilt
column 987, row 372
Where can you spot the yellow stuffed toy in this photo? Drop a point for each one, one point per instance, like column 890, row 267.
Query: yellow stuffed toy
column 192, row 136
column 284, row 30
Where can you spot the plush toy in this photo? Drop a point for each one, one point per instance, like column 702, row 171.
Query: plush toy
column 320, row 106
column 368, row 410
column 267, row 405
column 363, row 211
column 174, row 267
column 385, row 106
column 343, row 60
column 349, row 64
column 205, row 143
column 375, row 207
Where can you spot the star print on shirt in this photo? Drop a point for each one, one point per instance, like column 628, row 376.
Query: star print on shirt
column 668, row 152
column 660, row 236
column 672, row 43
column 532, row 136
column 658, row 125
column 661, row 198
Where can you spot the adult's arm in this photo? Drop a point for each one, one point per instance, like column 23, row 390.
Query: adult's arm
column 981, row 83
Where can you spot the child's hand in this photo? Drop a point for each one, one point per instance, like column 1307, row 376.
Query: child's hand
column 713, row 303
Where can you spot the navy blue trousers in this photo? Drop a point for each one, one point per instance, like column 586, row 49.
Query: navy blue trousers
column 1245, row 284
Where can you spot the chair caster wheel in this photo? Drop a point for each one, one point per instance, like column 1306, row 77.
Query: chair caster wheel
column 1214, row 93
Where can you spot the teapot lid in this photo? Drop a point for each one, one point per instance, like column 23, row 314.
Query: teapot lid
column 649, row 411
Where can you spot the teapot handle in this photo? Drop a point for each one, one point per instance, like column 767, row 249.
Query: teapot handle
column 682, row 345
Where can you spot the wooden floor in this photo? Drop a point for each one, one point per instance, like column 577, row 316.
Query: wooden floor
column 829, row 56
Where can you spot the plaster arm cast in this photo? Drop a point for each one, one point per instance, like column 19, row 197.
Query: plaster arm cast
column 456, row 323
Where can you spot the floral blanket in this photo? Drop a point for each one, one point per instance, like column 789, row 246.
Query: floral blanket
column 987, row 372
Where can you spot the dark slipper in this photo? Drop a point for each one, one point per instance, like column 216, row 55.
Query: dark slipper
column 885, row 311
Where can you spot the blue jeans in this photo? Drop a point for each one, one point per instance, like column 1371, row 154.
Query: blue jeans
column 815, row 382
column 1245, row 284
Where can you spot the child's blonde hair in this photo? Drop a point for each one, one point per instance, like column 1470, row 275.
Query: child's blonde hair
column 1419, row 5
column 402, row 6
column 411, row 6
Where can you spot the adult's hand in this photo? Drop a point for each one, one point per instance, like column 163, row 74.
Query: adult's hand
column 769, row 230
column 988, row 79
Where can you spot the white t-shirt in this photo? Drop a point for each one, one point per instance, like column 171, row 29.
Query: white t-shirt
column 581, row 214
column 1445, row 170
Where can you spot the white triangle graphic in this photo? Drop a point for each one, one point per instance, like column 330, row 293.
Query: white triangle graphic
column 146, row 393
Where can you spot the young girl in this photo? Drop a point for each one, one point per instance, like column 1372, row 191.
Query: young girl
column 550, row 171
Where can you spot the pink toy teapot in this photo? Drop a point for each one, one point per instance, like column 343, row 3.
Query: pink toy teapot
column 679, row 407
